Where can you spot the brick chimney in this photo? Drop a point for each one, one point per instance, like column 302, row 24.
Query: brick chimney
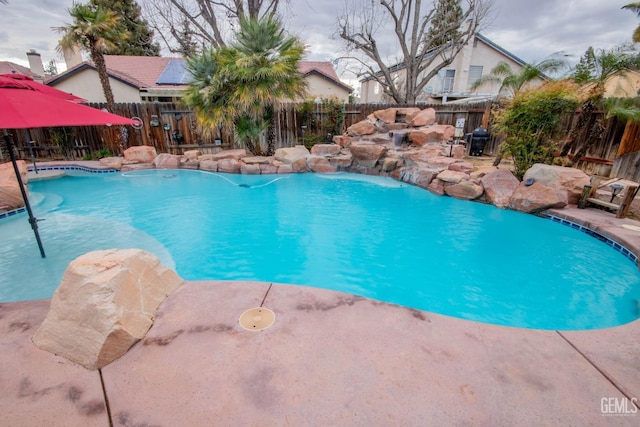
column 72, row 57
column 35, row 64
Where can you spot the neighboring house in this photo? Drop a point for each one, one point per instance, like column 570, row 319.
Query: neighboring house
column 454, row 82
column 623, row 85
column 148, row 78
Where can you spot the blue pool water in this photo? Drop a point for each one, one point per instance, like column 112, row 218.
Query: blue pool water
column 368, row 236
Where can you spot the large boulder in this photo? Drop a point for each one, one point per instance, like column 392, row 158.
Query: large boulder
column 364, row 127
column 10, row 195
column 537, row 197
column 452, row 177
column 466, row 190
column 167, row 161
column 140, row 154
column 250, row 169
column 209, row 165
column 568, row 179
column 112, row 162
column 367, row 154
column 425, row 117
column 105, row 303
column 226, row 154
column 320, row 164
column 290, row 154
column 499, row 186
column 229, row 166
column 461, row 166
column 192, row 154
column 387, row 116
column 325, row 149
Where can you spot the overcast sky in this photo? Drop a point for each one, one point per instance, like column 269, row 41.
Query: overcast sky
column 532, row 30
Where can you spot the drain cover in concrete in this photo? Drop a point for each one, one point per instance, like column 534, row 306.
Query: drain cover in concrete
column 257, row 319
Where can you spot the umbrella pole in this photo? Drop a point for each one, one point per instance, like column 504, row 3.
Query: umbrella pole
column 32, row 220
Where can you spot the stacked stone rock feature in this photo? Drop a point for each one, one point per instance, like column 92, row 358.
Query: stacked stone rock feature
column 10, row 195
column 105, row 303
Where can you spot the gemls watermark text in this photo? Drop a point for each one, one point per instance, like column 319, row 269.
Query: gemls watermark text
column 619, row 406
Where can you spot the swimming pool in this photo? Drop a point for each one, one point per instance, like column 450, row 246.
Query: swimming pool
column 369, row 236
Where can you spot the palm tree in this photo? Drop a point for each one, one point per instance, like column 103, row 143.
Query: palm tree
column 512, row 81
column 635, row 8
column 240, row 85
column 96, row 30
column 593, row 72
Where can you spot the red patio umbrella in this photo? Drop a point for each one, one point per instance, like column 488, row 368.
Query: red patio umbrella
column 39, row 87
column 23, row 106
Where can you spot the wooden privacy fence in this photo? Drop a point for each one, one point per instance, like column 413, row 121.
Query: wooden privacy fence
column 171, row 128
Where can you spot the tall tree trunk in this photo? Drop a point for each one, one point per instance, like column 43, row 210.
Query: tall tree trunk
column 115, row 144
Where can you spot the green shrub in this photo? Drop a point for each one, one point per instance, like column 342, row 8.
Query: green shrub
column 529, row 123
column 97, row 155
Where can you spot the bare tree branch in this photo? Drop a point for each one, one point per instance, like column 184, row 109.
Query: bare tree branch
column 418, row 36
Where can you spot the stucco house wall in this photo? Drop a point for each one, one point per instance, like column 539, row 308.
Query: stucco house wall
column 477, row 59
column 86, row 84
column 318, row 86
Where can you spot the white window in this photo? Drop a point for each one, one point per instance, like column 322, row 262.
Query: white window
column 475, row 74
column 448, row 80
column 376, row 88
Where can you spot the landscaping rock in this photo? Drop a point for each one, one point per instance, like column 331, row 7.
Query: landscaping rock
column 225, row 154
column 342, row 140
column 284, row 169
column 320, row 164
column 405, row 115
column 105, row 303
column 452, row 177
column 268, row 169
column 10, row 195
column 387, row 116
column 461, row 166
column 252, row 169
column 423, row 118
column 436, row 187
column 166, row 161
column 568, row 179
column 499, row 186
column 258, row 160
column 136, row 167
column 466, row 190
column 325, row 149
column 113, row 162
column 300, row 165
column 341, row 160
column 457, row 151
column 209, row 165
column 140, row 154
column 192, row 154
column 364, row 127
column 537, row 197
column 190, row 163
column 228, row 165
column 289, row 155
column 367, row 154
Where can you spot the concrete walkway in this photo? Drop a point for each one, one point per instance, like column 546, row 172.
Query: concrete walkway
column 329, row 359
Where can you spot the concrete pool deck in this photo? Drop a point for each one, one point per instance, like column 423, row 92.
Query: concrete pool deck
column 329, row 359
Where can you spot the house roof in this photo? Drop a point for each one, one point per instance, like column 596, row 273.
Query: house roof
column 479, row 37
column 156, row 72
column 7, row 67
column 322, row 69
